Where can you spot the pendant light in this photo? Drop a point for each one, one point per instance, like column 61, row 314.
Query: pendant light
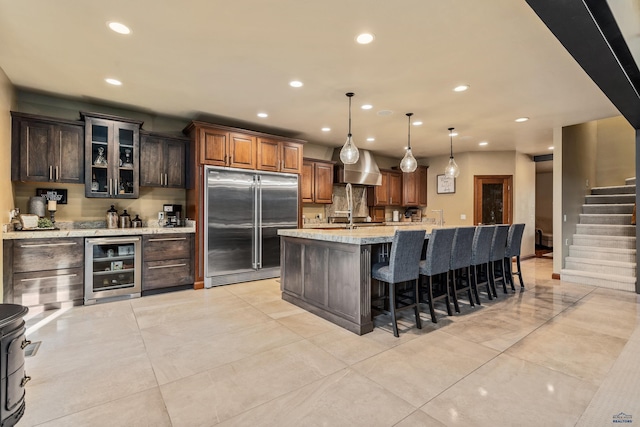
column 452, row 168
column 349, row 153
column 408, row 163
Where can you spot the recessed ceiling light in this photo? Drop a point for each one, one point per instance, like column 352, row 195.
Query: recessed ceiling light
column 325, row 129
column 295, row 83
column 263, row 115
column 551, row 148
column 367, row 107
column 119, row 28
column 483, row 143
column 114, row 82
column 370, row 139
column 522, row 119
column 418, row 123
column 461, row 88
column 364, row 38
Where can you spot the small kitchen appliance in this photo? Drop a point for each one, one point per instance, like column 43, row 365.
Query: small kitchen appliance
column 172, row 215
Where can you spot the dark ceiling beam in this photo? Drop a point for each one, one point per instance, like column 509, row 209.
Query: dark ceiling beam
column 589, row 32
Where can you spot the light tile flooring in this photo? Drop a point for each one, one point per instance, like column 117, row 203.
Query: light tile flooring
column 557, row 354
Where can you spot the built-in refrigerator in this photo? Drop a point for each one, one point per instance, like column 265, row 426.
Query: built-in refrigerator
column 244, row 210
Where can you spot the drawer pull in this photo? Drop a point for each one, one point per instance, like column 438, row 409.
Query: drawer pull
column 166, row 266
column 48, row 277
column 25, row 380
column 44, row 245
column 24, row 344
column 167, row 239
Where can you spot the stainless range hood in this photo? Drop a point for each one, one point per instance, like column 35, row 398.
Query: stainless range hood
column 364, row 172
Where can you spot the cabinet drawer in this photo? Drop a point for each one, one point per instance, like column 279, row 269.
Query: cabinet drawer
column 166, row 246
column 49, row 286
column 13, row 386
column 163, row 274
column 47, row 254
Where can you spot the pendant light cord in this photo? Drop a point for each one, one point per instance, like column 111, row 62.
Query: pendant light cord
column 350, row 94
column 451, row 140
column 409, row 131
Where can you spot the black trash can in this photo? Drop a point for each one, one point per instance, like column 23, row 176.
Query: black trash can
column 12, row 344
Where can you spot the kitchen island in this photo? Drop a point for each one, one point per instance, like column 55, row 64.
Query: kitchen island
column 328, row 272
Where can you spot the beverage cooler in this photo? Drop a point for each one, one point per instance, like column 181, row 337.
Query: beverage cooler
column 112, row 268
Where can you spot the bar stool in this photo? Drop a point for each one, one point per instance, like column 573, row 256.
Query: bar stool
column 402, row 266
column 460, row 265
column 514, row 241
column 480, row 250
column 496, row 257
column 436, row 263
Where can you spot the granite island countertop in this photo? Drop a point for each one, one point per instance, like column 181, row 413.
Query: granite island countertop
column 357, row 236
column 95, row 232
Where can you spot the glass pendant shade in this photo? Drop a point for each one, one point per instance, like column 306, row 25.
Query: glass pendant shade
column 349, row 153
column 408, row 163
column 452, row 169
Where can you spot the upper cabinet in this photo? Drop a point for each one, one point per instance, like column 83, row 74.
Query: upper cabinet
column 112, row 147
column 162, row 160
column 45, row 149
column 279, row 156
column 414, row 187
column 219, row 147
column 316, row 185
column 387, row 194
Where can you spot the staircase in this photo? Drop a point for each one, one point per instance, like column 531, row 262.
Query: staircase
column 603, row 252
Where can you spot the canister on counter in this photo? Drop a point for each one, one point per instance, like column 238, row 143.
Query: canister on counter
column 112, row 217
column 136, row 222
column 125, row 220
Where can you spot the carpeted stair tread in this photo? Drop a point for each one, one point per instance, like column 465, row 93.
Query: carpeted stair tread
column 610, row 198
column 615, row 189
column 600, row 262
column 607, row 208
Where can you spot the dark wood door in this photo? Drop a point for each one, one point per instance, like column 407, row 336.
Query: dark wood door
column 307, row 182
column 493, row 199
column 379, row 195
column 291, row 157
column 394, row 189
column 323, row 187
column 213, row 147
column 174, row 161
column 422, row 186
column 410, row 189
column 68, row 153
column 242, row 151
column 268, row 155
column 151, row 161
column 34, row 146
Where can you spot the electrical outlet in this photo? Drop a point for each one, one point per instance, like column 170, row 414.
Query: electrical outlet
column 565, row 218
column 463, row 216
column 566, row 242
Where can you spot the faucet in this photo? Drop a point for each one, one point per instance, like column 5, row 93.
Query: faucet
column 440, row 223
column 349, row 211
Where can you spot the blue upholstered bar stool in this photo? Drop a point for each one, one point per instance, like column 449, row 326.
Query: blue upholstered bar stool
column 461, row 265
column 496, row 258
column 480, row 250
column 436, row 264
column 514, row 241
column 404, row 259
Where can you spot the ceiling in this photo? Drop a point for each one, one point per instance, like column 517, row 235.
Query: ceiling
column 231, row 60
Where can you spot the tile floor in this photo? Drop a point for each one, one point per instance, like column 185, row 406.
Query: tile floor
column 557, row 354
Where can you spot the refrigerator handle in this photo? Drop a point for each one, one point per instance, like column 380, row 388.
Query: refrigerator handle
column 254, row 192
column 259, row 225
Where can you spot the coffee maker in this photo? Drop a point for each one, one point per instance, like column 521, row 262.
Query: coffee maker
column 173, row 215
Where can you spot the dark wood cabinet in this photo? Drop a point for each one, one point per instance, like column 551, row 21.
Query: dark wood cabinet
column 112, row 148
column 41, row 272
column 387, row 194
column 167, row 260
column 279, row 156
column 414, row 187
column 317, row 181
column 162, row 160
column 45, row 149
column 219, row 147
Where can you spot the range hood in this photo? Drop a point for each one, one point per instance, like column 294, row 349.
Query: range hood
column 364, row 172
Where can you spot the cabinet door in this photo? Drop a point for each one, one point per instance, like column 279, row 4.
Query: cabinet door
column 213, row 147
column 34, row 151
column 379, row 195
column 307, row 182
column 175, row 161
column 151, row 161
column 323, row 186
column 395, row 188
column 268, row 155
column 242, row 151
column 98, row 139
column 127, row 162
column 410, row 189
column 422, row 186
column 290, row 157
column 68, row 153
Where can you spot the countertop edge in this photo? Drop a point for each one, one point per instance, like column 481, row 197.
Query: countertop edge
column 94, row 232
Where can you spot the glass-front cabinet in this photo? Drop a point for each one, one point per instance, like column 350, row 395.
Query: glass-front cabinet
column 112, row 147
column 113, row 268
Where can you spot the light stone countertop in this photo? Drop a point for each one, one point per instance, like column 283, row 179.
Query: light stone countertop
column 362, row 224
column 95, row 232
column 357, row 236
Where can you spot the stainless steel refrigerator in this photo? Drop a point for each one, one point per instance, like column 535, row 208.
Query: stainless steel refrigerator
column 244, row 210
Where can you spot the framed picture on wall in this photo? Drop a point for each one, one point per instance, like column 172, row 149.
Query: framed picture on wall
column 446, row 184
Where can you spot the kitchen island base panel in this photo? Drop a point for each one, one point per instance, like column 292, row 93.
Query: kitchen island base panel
column 329, row 279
